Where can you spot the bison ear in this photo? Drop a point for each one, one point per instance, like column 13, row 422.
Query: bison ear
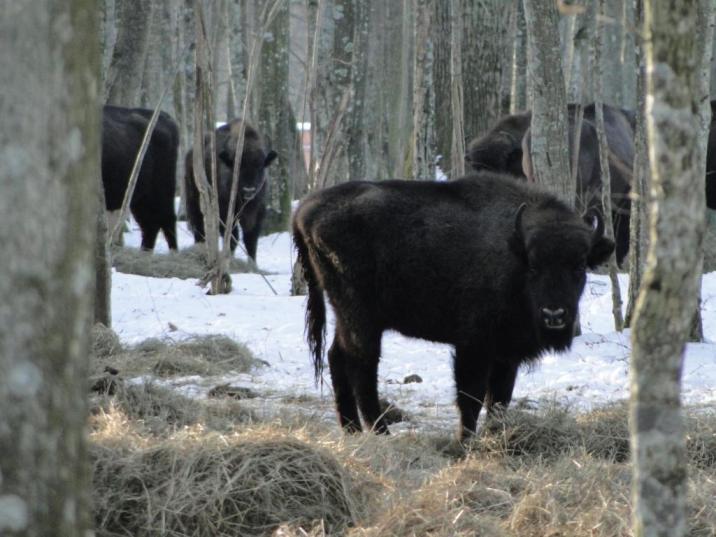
column 602, row 246
column 517, row 240
column 270, row 158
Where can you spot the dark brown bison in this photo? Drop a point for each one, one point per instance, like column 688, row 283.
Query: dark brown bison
column 152, row 204
column 493, row 267
column 711, row 162
column 250, row 205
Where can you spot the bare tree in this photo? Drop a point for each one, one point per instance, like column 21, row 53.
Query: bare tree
column 518, row 70
column 456, row 90
column 48, row 177
column 126, row 69
column 548, row 129
column 442, row 83
column 668, row 297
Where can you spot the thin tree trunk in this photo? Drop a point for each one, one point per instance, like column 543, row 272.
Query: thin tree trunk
column 598, row 69
column 639, row 219
column 664, row 310
column 548, row 128
column 456, row 86
column 443, row 80
column 358, row 110
column 518, row 77
column 423, row 138
column 49, row 175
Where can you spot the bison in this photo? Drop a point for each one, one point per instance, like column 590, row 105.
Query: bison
column 619, row 133
column 152, row 203
column 491, row 266
column 250, row 205
column 501, row 150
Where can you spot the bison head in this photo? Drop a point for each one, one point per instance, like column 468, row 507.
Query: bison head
column 556, row 248
column 252, row 168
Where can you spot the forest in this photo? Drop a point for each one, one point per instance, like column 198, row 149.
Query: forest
column 265, row 261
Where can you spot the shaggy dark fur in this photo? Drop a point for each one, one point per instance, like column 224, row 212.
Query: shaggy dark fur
column 152, row 204
column 493, row 267
column 250, row 203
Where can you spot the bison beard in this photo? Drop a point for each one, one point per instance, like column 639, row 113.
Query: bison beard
column 493, row 267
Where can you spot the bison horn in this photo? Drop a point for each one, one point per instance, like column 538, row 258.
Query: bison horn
column 593, row 218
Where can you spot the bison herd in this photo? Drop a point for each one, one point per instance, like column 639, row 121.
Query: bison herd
column 490, row 263
column 152, row 202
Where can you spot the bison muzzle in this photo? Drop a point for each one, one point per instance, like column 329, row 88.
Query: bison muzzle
column 493, row 267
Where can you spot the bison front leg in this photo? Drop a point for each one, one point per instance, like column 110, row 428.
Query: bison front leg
column 471, row 385
column 500, row 386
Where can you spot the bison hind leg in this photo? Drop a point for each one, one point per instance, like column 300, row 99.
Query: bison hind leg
column 346, row 407
column 471, row 384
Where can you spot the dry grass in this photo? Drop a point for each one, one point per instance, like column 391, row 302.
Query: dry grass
column 200, row 355
column 166, row 465
column 187, row 263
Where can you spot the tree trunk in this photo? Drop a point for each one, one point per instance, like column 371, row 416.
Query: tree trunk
column 423, row 138
column 103, row 267
column 356, row 119
column 124, row 82
column 49, row 174
column 518, row 76
column 639, row 219
column 457, row 24
column 664, row 310
column 550, row 148
column 275, row 118
column 483, row 59
column 598, row 69
column 442, row 81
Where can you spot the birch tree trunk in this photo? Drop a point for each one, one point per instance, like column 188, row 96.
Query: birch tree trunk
column 49, row 175
column 124, row 81
column 548, row 128
column 664, row 310
column 639, row 219
column 423, row 144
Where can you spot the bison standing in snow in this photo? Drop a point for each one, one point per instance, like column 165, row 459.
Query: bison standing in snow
column 493, row 267
column 250, row 206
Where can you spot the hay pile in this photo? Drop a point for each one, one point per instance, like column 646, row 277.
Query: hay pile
column 199, row 355
column 194, row 483
column 187, row 263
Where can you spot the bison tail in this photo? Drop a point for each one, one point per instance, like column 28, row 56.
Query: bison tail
column 315, row 307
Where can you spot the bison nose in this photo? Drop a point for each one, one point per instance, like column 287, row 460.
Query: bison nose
column 554, row 318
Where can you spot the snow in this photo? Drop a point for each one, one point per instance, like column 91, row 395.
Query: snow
column 594, row 372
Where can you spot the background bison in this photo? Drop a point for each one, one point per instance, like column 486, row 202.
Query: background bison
column 152, row 204
column 502, row 149
column 493, row 267
column 250, row 204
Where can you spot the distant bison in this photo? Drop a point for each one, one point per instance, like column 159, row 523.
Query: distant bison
column 250, row 205
column 711, row 162
column 152, row 204
column 501, row 150
column 494, row 267
column 619, row 133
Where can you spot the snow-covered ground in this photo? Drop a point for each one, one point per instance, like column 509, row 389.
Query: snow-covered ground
column 594, row 372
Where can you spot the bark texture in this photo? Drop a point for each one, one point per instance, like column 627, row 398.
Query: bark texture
column 423, row 139
column 48, row 178
column 668, row 296
column 550, row 148
column 126, row 70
